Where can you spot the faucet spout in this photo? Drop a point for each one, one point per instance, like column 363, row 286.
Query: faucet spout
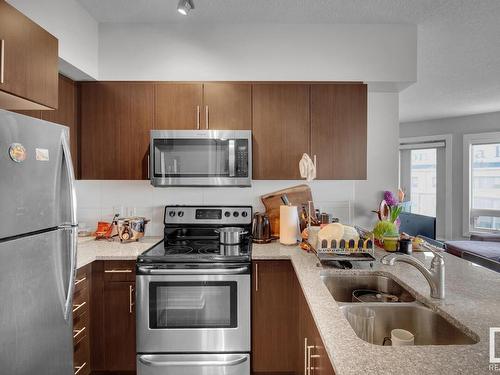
column 434, row 275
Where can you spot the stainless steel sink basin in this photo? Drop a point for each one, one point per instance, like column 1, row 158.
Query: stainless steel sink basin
column 428, row 327
column 341, row 287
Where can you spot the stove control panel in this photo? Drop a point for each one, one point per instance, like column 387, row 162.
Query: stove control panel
column 215, row 215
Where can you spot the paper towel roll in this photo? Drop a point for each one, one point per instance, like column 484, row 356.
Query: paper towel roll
column 289, row 225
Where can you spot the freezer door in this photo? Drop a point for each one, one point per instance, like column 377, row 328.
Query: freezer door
column 189, row 364
column 35, row 274
column 37, row 176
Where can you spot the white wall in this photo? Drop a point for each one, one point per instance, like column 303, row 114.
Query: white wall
column 369, row 53
column 383, row 160
column 77, row 31
column 457, row 127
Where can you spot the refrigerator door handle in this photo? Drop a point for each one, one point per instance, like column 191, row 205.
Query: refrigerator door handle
column 68, row 306
column 71, row 178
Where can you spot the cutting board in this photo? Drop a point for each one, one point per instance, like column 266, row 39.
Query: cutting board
column 297, row 195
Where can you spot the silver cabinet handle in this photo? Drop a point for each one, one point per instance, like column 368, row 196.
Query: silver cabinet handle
column 118, row 271
column 2, row 60
column 78, row 307
column 256, row 277
column 131, row 303
column 154, row 361
column 80, row 280
column 78, row 368
column 76, row 332
column 206, row 117
column 305, row 356
column 198, row 117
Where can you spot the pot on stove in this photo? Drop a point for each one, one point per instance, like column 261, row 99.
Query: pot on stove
column 230, row 235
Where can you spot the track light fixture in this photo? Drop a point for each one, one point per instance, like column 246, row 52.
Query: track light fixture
column 185, row 6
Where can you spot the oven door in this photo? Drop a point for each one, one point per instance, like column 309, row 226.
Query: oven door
column 200, row 158
column 188, row 364
column 178, row 312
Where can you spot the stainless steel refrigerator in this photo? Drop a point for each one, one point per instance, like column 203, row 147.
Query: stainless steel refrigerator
column 38, row 238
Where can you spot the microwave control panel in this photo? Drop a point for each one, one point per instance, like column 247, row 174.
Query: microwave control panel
column 241, row 158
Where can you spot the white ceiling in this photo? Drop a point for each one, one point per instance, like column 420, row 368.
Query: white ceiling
column 459, row 40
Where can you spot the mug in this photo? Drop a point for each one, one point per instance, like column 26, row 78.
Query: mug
column 400, row 337
column 405, row 246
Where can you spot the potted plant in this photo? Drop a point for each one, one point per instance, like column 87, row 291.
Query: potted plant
column 387, row 228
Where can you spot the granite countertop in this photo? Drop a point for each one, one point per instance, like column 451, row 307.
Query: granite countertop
column 89, row 249
column 472, row 303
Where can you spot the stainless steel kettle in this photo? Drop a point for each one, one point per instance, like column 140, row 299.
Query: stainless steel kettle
column 261, row 228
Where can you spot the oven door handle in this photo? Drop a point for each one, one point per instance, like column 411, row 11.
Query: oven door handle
column 197, row 271
column 157, row 361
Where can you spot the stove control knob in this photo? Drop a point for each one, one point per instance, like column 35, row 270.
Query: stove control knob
column 227, row 214
column 171, row 213
column 244, row 214
column 180, row 213
column 236, row 214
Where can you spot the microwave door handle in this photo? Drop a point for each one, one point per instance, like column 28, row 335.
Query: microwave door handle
column 159, row 361
column 232, row 158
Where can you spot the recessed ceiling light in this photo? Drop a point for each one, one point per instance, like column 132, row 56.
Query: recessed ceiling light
column 185, row 6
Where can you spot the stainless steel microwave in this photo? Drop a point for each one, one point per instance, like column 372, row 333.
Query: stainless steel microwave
column 200, row 158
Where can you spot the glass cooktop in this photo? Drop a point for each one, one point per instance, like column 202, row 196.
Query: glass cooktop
column 196, row 245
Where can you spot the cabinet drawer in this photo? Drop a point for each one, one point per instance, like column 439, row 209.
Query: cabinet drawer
column 82, row 279
column 119, row 270
column 81, row 357
column 81, row 327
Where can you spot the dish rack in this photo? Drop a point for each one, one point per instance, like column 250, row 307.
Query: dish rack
column 348, row 250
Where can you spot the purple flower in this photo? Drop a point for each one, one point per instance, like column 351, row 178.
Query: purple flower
column 390, row 199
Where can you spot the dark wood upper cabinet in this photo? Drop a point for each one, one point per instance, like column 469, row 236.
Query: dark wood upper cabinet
column 66, row 114
column 281, row 130
column 339, row 130
column 178, row 106
column 28, row 63
column 115, row 121
column 227, row 106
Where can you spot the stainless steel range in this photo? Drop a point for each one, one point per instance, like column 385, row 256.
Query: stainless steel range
column 193, row 295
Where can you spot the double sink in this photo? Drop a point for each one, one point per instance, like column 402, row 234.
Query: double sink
column 402, row 311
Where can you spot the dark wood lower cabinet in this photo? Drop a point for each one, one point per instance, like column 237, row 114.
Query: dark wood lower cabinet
column 113, row 317
column 274, row 317
column 81, row 321
column 285, row 339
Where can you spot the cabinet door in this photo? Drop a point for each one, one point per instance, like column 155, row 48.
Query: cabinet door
column 119, row 326
column 30, row 62
column 313, row 359
column 338, row 130
column 66, row 114
column 178, row 106
column 281, row 130
column 274, row 317
column 116, row 119
column 227, row 106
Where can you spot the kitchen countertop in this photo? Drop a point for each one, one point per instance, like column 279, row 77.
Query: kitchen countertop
column 89, row 249
column 472, row 303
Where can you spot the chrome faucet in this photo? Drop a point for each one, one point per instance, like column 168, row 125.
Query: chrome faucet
column 434, row 275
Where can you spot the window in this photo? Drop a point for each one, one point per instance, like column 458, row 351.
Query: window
column 481, row 182
column 425, row 174
column 423, row 177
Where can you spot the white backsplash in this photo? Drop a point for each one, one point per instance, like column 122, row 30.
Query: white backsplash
column 97, row 200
